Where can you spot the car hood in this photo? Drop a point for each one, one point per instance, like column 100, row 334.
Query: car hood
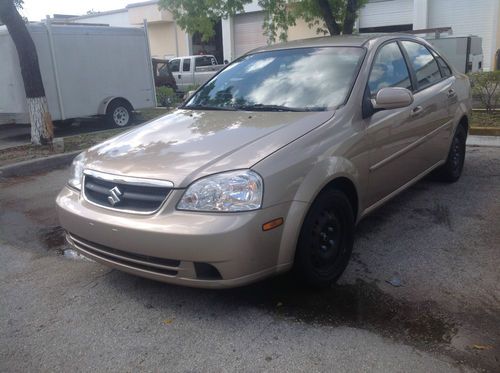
column 185, row 145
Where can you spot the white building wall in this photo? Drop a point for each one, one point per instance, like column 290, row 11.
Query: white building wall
column 467, row 17
column 386, row 13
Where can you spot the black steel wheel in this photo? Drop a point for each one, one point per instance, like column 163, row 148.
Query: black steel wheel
column 452, row 169
column 326, row 239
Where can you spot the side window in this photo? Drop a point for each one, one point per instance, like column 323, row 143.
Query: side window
column 174, row 65
column 186, row 64
column 163, row 69
column 389, row 69
column 205, row 61
column 445, row 69
column 424, row 64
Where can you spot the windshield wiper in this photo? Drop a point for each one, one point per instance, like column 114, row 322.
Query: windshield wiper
column 263, row 107
column 208, row 107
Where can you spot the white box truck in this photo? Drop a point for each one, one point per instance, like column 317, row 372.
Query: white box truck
column 465, row 53
column 86, row 71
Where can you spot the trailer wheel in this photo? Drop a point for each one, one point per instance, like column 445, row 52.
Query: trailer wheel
column 119, row 113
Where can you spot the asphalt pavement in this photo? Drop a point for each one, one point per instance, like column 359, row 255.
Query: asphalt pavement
column 421, row 294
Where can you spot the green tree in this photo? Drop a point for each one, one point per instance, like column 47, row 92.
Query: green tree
column 40, row 119
column 332, row 17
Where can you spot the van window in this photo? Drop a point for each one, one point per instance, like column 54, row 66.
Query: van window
column 389, row 70
column 424, row 64
column 174, row 65
column 186, row 64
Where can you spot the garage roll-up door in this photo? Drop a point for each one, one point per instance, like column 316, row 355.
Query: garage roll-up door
column 248, row 32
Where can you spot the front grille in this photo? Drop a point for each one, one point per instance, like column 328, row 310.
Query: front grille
column 124, row 195
column 140, row 261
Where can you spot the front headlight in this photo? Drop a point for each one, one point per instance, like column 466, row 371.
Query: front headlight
column 76, row 174
column 227, row 192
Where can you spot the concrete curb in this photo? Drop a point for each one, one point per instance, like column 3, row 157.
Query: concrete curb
column 35, row 166
column 490, row 141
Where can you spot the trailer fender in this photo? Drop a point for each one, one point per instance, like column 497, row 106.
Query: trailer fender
column 103, row 106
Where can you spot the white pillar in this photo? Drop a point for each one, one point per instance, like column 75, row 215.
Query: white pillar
column 227, row 39
column 420, row 14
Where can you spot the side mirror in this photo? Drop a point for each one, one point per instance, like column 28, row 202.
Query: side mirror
column 392, row 98
column 188, row 95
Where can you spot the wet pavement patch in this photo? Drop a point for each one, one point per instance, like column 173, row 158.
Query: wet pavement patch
column 361, row 305
column 53, row 238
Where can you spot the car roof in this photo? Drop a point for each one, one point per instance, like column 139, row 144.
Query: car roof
column 335, row 41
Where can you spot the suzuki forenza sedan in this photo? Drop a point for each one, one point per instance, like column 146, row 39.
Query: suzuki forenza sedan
column 271, row 163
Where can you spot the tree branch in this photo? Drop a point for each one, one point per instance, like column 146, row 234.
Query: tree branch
column 327, row 15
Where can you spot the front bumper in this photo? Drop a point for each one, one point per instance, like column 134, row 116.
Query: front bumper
column 212, row 250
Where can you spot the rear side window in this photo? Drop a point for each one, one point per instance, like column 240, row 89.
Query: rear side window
column 389, row 69
column 424, row 64
column 445, row 69
column 205, row 61
column 186, row 64
column 174, row 65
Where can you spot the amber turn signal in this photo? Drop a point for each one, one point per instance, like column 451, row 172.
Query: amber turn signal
column 272, row 224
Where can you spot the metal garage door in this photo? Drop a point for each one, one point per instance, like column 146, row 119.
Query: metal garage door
column 248, row 32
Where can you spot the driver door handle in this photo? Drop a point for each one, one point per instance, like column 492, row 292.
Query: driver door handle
column 417, row 110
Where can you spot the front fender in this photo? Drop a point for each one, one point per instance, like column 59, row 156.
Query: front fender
column 322, row 174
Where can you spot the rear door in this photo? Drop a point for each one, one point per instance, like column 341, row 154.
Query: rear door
column 201, row 77
column 435, row 93
column 185, row 75
column 175, row 68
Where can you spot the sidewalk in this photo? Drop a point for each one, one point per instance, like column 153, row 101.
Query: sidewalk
column 483, row 141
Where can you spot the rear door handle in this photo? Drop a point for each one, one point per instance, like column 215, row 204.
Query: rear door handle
column 179, row 76
column 451, row 93
column 417, row 110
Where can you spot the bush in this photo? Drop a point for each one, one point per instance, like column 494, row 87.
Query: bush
column 485, row 88
column 166, row 96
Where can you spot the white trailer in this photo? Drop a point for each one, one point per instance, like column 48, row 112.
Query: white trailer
column 464, row 53
column 86, row 71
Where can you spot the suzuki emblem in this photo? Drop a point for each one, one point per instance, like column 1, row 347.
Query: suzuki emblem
column 114, row 198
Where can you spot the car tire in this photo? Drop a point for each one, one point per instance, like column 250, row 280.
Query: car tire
column 119, row 114
column 326, row 239
column 452, row 169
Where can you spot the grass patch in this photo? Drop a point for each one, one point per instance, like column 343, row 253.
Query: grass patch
column 72, row 143
column 483, row 119
column 152, row 113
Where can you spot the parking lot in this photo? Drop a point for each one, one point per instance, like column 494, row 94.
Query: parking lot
column 422, row 293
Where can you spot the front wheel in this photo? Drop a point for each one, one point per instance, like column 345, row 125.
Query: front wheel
column 452, row 169
column 326, row 239
column 119, row 114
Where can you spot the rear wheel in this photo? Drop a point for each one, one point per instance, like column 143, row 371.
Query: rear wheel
column 119, row 113
column 452, row 169
column 326, row 239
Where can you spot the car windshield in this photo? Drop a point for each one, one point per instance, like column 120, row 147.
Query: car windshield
column 302, row 79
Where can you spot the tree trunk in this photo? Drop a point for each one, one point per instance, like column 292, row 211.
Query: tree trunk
column 350, row 17
column 41, row 122
column 327, row 15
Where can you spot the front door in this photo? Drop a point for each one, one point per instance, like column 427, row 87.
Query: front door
column 395, row 135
